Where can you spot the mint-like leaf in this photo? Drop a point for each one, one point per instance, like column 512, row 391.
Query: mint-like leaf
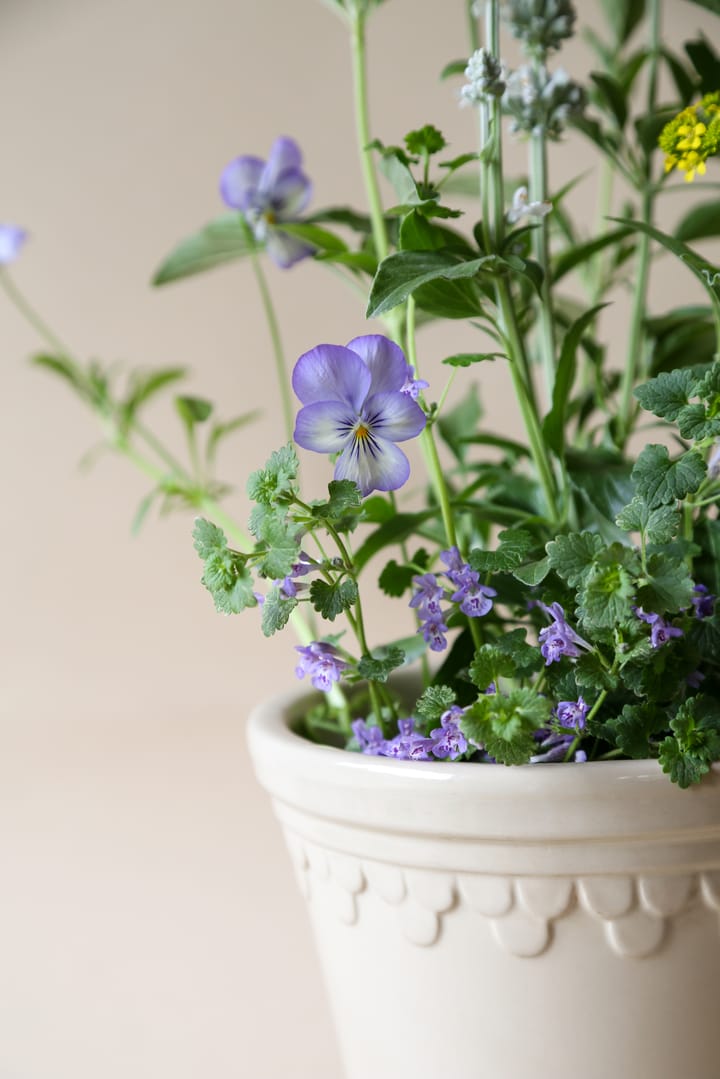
column 660, row 481
column 605, row 598
column 433, row 702
column 207, row 537
column 573, row 556
column 276, row 611
column 378, row 666
column 514, row 546
column 489, row 664
column 277, row 481
column 330, row 600
column 668, row 393
column 344, row 498
column 658, row 526
column 505, row 725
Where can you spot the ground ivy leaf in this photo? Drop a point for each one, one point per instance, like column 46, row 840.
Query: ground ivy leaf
column 277, row 481
column 207, row 537
column 525, row 658
column 378, row 666
column 658, row 526
column 669, row 585
column 694, row 422
column 590, row 674
column 668, row 393
column 489, row 664
column 605, row 597
column 505, row 725
column 659, row 480
column 433, row 702
column 532, row 573
column 396, row 579
column 282, row 540
column 514, row 546
column 276, row 611
column 331, row 599
column 573, row 556
column 632, row 730
column 344, row 498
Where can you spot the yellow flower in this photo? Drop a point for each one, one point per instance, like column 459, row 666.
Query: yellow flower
column 692, row 136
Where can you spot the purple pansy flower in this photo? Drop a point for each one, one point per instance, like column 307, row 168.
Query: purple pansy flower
column 322, row 662
column 660, row 630
column 558, row 639
column 572, row 714
column 354, row 406
column 12, row 237
column 268, row 193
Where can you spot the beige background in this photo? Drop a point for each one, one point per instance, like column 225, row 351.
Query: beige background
column 149, row 924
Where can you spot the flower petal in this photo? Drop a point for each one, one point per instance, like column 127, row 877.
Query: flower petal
column 331, row 373
column 284, row 154
column 394, row 416
column 240, row 181
column 324, row 426
column 284, row 249
column 385, row 361
column 374, row 464
column 12, row 237
column 290, row 194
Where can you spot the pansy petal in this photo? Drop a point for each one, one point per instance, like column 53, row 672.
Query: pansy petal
column 284, row 154
column 394, row 415
column 290, row 194
column 385, row 361
column 331, row 373
column 284, row 249
column 240, row 181
column 324, row 426
column 374, row 464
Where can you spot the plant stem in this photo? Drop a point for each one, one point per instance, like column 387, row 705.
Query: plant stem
column 635, row 364
column 541, row 250
column 31, row 316
column 278, row 353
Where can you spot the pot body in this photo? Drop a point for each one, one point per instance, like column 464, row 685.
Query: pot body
column 482, row 922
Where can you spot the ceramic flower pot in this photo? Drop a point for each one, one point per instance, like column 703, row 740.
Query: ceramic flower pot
column 482, row 921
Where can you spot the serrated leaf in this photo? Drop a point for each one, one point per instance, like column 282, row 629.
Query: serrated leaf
column 633, row 728
column 659, row 480
column 467, row 359
column 433, row 702
column 605, row 596
column 277, row 481
column 505, row 725
column 666, row 394
column 395, row 579
column 380, row 665
column 276, row 611
column 525, row 658
column 658, row 526
column 282, row 539
column 590, row 674
column 331, row 599
column 489, row 664
column 532, row 573
column 207, row 537
column 695, row 423
column 574, row 556
column 344, row 498
column 668, row 587
column 514, row 546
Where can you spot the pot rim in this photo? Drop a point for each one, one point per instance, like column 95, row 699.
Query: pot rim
column 537, row 802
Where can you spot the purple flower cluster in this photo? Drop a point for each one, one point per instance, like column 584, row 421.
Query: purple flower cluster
column 290, row 586
column 572, row 714
column 661, row 631
column 473, row 598
column 703, row 601
column 269, row 193
column 559, row 639
column 322, row 662
column 446, row 742
column 554, row 747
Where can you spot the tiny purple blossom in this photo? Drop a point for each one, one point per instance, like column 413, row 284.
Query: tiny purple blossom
column 412, row 386
column 269, row 193
column 555, row 746
column 703, row 601
column 428, row 593
column 453, row 561
column 475, row 599
column 660, row 630
column 572, row 714
column 433, row 631
column 322, row 662
column 12, row 238
column 447, row 739
column 558, row 639
column 370, row 739
column 353, row 406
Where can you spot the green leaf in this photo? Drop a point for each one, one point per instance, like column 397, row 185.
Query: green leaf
column 276, row 611
column 704, row 59
column 322, row 239
column 490, row 663
column 580, row 253
column 146, row 384
column 505, row 725
column 623, row 16
column 574, row 556
column 667, row 393
column 282, row 540
column 532, row 573
column 695, row 423
column 219, row 431
column 344, row 498
column 193, row 410
column 278, row 480
column 554, row 424
column 514, row 546
column 632, row 730
column 611, row 95
column 395, row 579
column 658, row 526
column 606, row 596
column 695, row 744
column 225, row 575
column 525, row 658
column 700, row 222
column 223, row 240
column 394, row 530
column 433, row 702
column 659, row 480
column 707, row 274
column 709, row 5
column 467, row 359
column 330, row 600
column 207, row 537
column 401, row 274
column 669, row 586
column 380, row 665
column 590, row 673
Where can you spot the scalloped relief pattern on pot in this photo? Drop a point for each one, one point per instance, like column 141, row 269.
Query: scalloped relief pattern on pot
column 635, row 913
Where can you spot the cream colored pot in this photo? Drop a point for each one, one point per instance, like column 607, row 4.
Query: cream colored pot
column 482, row 922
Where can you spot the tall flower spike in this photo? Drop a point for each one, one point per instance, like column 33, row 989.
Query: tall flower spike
column 269, row 193
column 354, row 405
column 541, row 25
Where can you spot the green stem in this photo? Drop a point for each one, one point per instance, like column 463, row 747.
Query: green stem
column 29, row 313
column 541, row 250
column 278, row 353
column 635, row 363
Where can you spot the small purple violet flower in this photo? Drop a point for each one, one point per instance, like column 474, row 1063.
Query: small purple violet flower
column 12, row 238
column 572, row 714
column 660, row 630
column 433, row 630
column 703, row 601
column 413, row 387
column 322, row 662
column 555, row 747
column 447, row 739
column 354, row 406
column 268, row 193
column 370, row 739
column 558, row 639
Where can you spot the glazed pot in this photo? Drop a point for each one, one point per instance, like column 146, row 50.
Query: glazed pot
column 482, row 922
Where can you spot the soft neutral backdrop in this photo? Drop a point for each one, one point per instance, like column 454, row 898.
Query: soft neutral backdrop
column 150, row 925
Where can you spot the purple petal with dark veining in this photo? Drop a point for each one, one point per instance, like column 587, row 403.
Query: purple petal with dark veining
column 394, row 416
column 284, row 249
column 385, row 361
column 239, row 183
column 374, row 464
column 331, row 373
column 324, row 426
